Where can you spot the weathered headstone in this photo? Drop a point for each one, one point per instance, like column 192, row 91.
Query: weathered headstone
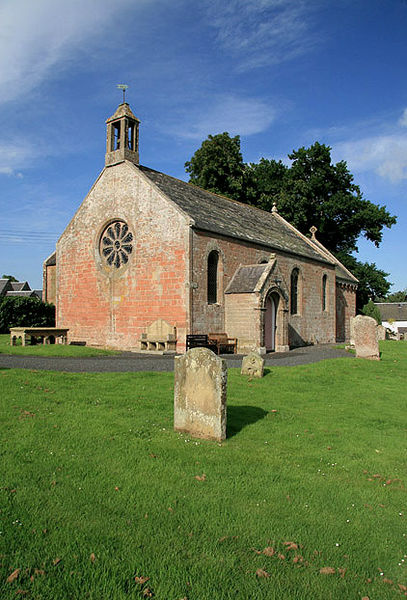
column 352, row 332
column 366, row 342
column 253, row 365
column 381, row 332
column 200, row 394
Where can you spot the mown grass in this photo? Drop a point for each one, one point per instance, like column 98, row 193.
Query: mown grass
column 50, row 349
column 97, row 488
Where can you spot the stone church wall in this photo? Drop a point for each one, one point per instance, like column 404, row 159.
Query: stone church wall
column 345, row 308
column 49, row 284
column 310, row 325
column 106, row 306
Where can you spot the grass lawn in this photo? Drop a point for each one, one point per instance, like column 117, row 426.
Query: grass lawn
column 49, row 349
column 98, row 492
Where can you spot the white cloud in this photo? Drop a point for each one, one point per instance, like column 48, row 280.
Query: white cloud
column 403, row 118
column 38, row 36
column 244, row 116
column 262, row 32
column 15, row 156
column 384, row 154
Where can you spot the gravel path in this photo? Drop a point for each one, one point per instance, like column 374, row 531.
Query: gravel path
column 130, row 361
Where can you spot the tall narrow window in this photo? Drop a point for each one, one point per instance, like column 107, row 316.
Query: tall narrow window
column 213, row 260
column 324, row 285
column 130, row 137
column 294, row 292
column 116, row 136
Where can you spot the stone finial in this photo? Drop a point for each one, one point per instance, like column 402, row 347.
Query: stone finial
column 272, row 257
column 313, row 231
column 253, row 365
column 274, row 209
column 200, row 380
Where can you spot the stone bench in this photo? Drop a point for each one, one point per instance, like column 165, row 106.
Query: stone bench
column 46, row 335
column 159, row 337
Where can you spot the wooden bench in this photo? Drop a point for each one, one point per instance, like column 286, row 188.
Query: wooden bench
column 200, row 340
column 223, row 343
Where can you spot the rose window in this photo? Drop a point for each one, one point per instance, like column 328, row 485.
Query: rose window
column 116, row 244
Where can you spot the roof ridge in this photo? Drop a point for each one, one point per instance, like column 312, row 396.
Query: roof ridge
column 201, row 189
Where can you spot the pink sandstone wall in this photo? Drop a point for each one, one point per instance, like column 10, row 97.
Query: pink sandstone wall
column 109, row 307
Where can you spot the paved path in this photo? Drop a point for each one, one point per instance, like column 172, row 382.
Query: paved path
column 130, row 361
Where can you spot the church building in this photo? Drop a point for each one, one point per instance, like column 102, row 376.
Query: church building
column 147, row 252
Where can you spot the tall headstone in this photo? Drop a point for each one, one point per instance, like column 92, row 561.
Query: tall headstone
column 381, row 332
column 366, row 342
column 253, row 365
column 200, row 394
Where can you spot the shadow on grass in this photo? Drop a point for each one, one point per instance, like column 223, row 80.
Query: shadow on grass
column 239, row 417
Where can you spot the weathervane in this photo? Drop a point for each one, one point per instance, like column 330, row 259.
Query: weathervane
column 123, row 87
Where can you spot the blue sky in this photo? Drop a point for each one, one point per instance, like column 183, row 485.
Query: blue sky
column 281, row 73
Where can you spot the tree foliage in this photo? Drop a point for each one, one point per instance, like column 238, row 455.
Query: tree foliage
column 11, row 277
column 312, row 191
column 217, row 166
column 400, row 296
column 16, row 311
column 370, row 310
column 372, row 281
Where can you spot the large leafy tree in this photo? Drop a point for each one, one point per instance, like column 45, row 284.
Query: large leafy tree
column 217, row 166
column 312, row 191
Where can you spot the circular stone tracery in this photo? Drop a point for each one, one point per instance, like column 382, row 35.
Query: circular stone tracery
column 116, row 244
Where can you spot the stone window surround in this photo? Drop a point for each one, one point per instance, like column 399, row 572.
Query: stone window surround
column 214, row 247
column 325, row 293
column 298, row 311
column 100, row 261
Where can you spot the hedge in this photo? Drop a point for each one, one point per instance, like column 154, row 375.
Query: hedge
column 25, row 312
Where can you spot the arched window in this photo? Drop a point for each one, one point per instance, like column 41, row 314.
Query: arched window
column 294, row 292
column 213, row 260
column 324, row 287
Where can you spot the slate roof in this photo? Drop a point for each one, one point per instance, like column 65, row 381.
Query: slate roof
column 19, row 286
column 51, row 260
column 4, row 286
column 341, row 271
column 245, row 279
column 21, row 293
column 392, row 310
column 218, row 214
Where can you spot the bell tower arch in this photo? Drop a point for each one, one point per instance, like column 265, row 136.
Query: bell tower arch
column 122, row 136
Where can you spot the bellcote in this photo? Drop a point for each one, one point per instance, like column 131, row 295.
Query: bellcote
column 122, row 136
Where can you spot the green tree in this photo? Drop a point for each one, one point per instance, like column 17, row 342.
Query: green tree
column 217, row 166
column 311, row 192
column 9, row 277
column 400, row 296
column 370, row 310
column 372, row 281
column 314, row 191
column 30, row 312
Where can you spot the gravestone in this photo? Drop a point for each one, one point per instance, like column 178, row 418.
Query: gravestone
column 200, row 379
column 253, row 365
column 352, row 332
column 381, row 332
column 365, row 332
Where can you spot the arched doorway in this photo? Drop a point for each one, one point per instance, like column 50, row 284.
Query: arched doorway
column 270, row 321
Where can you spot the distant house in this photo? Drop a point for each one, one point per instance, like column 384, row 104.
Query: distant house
column 394, row 316
column 18, row 288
